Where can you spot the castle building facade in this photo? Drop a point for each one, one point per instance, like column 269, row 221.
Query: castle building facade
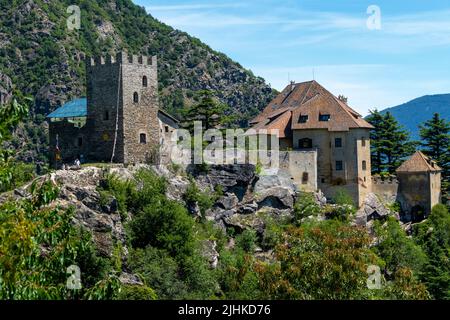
column 310, row 119
column 119, row 120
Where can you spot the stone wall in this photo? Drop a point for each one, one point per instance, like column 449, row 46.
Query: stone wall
column 103, row 96
column 141, row 118
column 118, row 84
column 302, row 166
column 68, row 136
column 355, row 149
column 386, row 189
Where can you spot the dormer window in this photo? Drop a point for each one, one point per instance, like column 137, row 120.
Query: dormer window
column 324, row 117
column 302, row 119
column 144, row 81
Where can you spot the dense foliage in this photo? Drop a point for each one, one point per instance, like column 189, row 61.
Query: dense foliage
column 435, row 135
column 389, row 143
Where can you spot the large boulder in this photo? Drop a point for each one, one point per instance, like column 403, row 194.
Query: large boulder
column 281, row 179
column 372, row 209
column 276, row 197
column 228, row 201
column 231, row 178
column 244, row 222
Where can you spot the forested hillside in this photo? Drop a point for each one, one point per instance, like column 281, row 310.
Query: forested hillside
column 44, row 59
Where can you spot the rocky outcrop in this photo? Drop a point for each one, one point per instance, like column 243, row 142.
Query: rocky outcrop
column 210, row 253
column 276, row 197
column 372, row 209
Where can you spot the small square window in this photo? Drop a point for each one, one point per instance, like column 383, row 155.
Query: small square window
column 167, row 129
column 324, row 117
column 302, row 119
column 364, row 165
column 339, row 166
column 305, row 178
column 143, row 138
column 338, row 143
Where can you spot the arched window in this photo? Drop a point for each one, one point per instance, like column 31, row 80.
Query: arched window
column 136, row 97
column 144, row 81
column 143, row 138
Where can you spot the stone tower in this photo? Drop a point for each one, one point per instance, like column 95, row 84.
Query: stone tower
column 122, row 108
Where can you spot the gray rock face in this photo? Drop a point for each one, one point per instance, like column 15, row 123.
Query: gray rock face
column 209, row 252
column 78, row 190
column 372, row 209
column 320, row 198
column 276, row 197
column 243, row 222
column 228, row 201
column 232, row 178
column 282, row 179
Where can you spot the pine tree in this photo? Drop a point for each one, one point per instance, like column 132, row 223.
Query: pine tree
column 390, row 142
column 435, row 134
column 376, row 119
column 207, row 110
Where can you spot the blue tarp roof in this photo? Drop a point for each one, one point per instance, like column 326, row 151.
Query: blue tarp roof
column 73, row 109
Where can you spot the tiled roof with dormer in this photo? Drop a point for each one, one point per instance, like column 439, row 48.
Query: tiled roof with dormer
column 310, row 100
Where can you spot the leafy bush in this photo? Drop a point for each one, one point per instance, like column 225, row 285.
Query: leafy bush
column 39, row 243
column 434, row 238
column 326, row 260
column 194, row 195
column 396, row 249
column 247, row 240
column 342, row 197
column 164, row 224
column 130, row 292
column 305, row 207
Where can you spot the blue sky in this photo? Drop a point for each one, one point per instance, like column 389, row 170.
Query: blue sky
column 288, row 39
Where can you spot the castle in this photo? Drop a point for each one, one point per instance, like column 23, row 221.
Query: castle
column 328, row 147
column 310, row 120
column 324, row 143
column 119, row 120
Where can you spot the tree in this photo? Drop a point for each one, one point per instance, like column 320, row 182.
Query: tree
column 434, row 237
column 390, row 143
column 376, row 119
column 207, row 110
column 11, row 114
column 326, row 260
column 435, row 134
column 396, row 249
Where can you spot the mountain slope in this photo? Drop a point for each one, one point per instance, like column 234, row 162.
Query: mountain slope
column 417, row 111
column 44, row 59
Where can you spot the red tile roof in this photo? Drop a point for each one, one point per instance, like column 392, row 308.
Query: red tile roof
column 308, row 99
column 419, row 162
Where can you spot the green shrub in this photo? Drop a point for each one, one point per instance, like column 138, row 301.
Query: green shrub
column 247, row 240
column 433, row 236
column 306, row 206
column 164, row 224
column 342, row 197
column 130, row 292
column 396, row 249
column 159, row 271
column 194, row 195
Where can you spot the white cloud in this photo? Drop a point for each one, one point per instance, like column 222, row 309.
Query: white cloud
column 194, row 6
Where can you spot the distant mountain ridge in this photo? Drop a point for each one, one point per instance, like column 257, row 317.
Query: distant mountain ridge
column 417, row 111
